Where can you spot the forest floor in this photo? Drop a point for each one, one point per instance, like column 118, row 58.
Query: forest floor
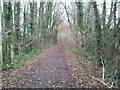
column 55, row 67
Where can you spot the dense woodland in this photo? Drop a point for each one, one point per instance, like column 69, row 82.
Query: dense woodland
column 26, row 28
column 30, row 26
column 100, row 36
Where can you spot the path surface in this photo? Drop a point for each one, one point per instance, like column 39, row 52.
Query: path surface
column 52, row 69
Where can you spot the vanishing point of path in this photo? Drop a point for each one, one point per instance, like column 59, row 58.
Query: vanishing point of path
column 51, row 69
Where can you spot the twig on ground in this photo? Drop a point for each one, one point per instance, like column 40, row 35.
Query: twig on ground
column 103, row 77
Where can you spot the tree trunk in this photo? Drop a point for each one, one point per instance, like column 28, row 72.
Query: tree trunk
column 6, row 26
column 17, row 27
column 98, row 32
column 80, row 14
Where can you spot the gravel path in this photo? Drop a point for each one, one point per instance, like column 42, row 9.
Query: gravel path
column 52, row 69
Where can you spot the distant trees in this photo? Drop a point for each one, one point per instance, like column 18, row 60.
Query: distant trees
column 27, row 28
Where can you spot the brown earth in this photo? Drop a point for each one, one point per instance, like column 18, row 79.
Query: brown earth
column 56, row 67
column 51, row 69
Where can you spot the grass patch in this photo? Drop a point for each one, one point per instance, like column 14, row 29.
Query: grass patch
column 82, row 63
column 21, row 59
column 78, row 57
column 90, row 56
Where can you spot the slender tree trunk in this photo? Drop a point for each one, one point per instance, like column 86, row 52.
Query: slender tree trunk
column 17, row 27
column 104, row 15
column 6, row 26
column 10, row 20
column 114, row 13
column 4, row 40
column 33, row 9
column 110, row 17
column 41, row 20
column 25, row 23
column 80, row 14
column 98, row 33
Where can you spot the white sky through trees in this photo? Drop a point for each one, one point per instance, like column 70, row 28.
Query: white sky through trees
column 99, row 2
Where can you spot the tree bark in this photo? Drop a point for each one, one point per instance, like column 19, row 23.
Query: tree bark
column 98, row 32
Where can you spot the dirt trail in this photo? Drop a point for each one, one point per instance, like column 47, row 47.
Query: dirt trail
column 52, row 69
